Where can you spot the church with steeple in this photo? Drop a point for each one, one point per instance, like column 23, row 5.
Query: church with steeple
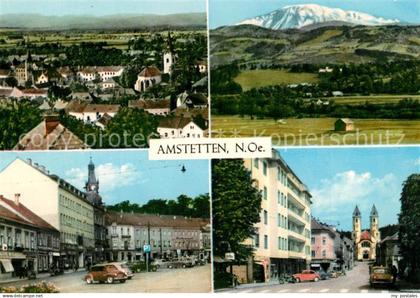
column 365, row 241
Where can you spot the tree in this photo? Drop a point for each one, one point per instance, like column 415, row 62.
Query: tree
column 131, row 128
column 409, row 236
column 236, row 207
column 11, row 81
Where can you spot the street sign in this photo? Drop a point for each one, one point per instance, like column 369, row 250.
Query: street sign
column 146, row 248
column 230, row 256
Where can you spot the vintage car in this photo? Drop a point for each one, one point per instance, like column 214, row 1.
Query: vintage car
column 306, row 275
column 380, row 275
column 124, row 267
column 108, row 273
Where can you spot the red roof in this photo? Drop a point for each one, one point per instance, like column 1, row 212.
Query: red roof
column 23, row 214
column 365, row 236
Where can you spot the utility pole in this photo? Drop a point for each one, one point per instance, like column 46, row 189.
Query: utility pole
column 148, row 242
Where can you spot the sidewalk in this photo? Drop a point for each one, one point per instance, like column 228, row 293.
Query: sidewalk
column 38, row 276
column 273, row 282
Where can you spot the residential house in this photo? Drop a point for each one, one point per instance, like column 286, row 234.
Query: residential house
column 31, row 93
column 108, row 72
column 323, row 246
column 192, row 101
column 388, row 252
column 90, row 113
column 50, row 134
column 22, row 231
column 160, row 107
column 344, row 124
column 63, row 206
column 180, row 127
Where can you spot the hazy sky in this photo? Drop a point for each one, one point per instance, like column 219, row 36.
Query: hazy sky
column 340, row 178
column 229, row 12
column 123, row 175
column 101, row 7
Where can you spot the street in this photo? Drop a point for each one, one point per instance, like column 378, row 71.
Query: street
column 189, row 280
column 356, row 281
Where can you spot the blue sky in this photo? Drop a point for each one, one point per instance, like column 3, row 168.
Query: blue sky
column 101, row 7
column 123, row 175
column 340, row 178
column 229, row 12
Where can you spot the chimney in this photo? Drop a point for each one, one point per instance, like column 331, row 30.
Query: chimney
column 17, row 197
column 51, row 122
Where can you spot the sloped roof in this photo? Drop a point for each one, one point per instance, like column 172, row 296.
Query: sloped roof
column 356, row 212
column 138, row 219
column 374, row 212
column 150, row 71
column 345, row 120
column 102, row 108
column 174, row 122
column 317, row 226
column 150, row 104
column 50, row 135
column 109, row 68
column 28, row 215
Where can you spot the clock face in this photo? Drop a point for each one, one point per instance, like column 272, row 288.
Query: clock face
column 92, row 187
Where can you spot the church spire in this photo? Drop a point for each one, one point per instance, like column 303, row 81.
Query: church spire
column 374, row 212
column 356, row 212
column 92, row 184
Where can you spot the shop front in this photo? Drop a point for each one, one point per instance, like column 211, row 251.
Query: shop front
column 12, row 264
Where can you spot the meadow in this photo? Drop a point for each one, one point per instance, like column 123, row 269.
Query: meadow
column 318, row 131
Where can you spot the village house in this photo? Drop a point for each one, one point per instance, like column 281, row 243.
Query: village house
column 180, row 127
column 323, row 249
column 147, row 78
column 64, row 207
column 40, row 78
column 325, row 70
column 26, row 239
column 90, row 113
column 344, row 124
column 86, row 74
column 160, row 107
column 108, row 84
column 109, row 72
column 192, row 101
column 31, row 93
column 50, row 134
column 202, row 66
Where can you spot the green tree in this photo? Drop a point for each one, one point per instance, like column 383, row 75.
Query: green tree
column 131, row 128
column 236, row 207
column 11, row 81
column 409, row 236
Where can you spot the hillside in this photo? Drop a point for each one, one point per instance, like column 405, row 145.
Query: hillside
column 325, row 44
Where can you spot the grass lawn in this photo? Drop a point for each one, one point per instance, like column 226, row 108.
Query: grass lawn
column 319, row 131
column 266, row 77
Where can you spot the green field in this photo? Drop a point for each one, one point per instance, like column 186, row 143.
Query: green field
column 373, row 99
column 266, row 77
column 319, row 131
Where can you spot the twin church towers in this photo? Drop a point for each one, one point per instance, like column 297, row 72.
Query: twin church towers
column 365, row 242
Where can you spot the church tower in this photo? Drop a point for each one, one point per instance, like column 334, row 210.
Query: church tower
column 92, row 185
column 357, row 225
column 169, row 56
column 374, row 225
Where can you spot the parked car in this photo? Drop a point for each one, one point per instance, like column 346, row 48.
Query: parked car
column 306, row 275
column 124, row 267
column 181, row 263
column 380, row 275
column 161, row 263
column 108, row 273
column 324, row 275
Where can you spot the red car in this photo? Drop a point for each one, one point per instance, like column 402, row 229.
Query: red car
column 306, row 275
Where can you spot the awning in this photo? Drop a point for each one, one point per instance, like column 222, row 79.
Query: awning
column 56, row 254
column 7, row 264
column 315, row 265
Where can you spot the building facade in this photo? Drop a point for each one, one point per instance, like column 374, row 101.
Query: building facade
column 365, row 242
column 282, row 243
column 64, row 207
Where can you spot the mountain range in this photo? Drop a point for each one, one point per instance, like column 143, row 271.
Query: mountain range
column 299, row 16
column 36, row 21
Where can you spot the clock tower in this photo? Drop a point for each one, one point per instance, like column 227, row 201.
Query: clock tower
column 92, row 185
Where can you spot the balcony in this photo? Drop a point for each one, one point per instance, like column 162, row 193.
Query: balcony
column 296, row 219
column 295, row 236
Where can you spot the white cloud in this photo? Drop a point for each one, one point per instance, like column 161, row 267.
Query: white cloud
column 110, row 176
column 336, row 197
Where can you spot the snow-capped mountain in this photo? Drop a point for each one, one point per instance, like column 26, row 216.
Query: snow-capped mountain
column 298, row 16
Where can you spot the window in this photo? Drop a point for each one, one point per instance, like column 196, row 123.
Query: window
column 313, row 254
column 279, row 220
column 265, row 195
column 265, row 242
column 257, row 240
column 324, row 253
column 313, row 240
column 256, row 161
column 265, row 168
column 265, row 217
column 324, row 240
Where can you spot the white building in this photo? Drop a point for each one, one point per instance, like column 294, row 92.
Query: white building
column 108, row 72
column 58, row 202
column 147, row 78
column 180, row 127
column 169, row 59
column 91, row 113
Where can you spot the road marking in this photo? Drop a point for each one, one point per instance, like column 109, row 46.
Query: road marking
column 344, row 290
column 364, row 291
column 324, row 290
column 304, row 290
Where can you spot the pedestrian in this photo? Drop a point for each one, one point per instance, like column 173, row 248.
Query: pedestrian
column 394, row 272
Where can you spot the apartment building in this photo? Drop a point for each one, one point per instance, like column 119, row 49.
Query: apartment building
column 282, row 243
column 59, row 203
column 168, row 236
